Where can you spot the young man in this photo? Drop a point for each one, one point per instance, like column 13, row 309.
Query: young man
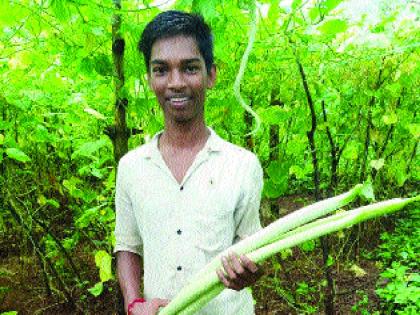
column 186, row 195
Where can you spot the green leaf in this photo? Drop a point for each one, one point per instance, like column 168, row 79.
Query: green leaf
column 60, row 9
column 87, row 217
column 206, row 7
column 286, row 253
column 414, row 129
column 71, row 186
column 308, row 246
column 274, row 190
column 323, row 7
column 88, row 148
column 273, row 115
column 296, row 4
column 278, row 172
column 377, row 164
column 6, row 273
column 103, row 262
column 98, row 31
column 358, row 271
column 18, row 155
column 400, row 176
column 102, row 65
column 367, row 191
column 300, row 172
column 94, row 113
column 183, row 4
column 97, row 289
column 328, row 5
column 390, row 118
column 333, row 27
column 41, row 133
column 351, row 151
column 1, row 139
column 53, row 203
column 330, row 261
column 86, row 65
column 314, row 13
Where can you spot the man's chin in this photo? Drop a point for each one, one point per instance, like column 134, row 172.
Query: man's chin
column 182, row 119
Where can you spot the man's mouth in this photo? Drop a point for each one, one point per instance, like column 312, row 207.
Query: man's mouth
column 179, row 101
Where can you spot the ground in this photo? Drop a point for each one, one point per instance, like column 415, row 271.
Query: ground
column 292, row 284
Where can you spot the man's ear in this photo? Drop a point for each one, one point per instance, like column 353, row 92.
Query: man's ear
column 149, row 81
column 211, row 80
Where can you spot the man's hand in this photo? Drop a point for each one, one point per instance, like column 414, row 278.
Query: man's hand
column 240, row 272
column 149, row 308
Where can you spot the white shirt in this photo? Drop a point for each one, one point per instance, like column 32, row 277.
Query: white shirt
column 179, row 228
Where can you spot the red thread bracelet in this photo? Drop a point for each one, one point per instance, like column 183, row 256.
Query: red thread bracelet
column 133, row 302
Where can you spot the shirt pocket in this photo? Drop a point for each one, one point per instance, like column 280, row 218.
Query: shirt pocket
column 214, row 228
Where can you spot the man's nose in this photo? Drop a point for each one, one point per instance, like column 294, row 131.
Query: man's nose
column 176, row 80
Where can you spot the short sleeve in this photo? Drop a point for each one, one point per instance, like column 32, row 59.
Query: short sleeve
column 127, row 235
column 247, row 215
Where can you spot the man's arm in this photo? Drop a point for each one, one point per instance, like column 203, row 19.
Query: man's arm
column 129, row 269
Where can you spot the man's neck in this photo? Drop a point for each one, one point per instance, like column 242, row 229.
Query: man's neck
column 184, row 136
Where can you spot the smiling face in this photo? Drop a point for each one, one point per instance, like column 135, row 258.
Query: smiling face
column 179, row 78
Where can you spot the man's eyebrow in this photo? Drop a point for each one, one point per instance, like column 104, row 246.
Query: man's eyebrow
column 191, row 60
column 160, row 61
column 157, row 61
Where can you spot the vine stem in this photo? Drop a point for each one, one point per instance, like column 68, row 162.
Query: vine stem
column 242, row 67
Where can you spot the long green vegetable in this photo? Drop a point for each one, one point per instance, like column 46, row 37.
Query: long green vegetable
column 242, row 67
column 286, row 223
column 332, row 224
column 195, row 295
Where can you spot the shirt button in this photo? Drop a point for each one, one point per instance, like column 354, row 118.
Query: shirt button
column 179, row 268
column 179, row 232
column 181, row 188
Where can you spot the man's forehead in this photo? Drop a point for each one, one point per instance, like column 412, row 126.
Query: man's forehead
column 177, row 48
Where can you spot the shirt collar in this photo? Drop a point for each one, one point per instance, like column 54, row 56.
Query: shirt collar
column 214, row 144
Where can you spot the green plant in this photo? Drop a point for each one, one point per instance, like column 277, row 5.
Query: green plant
column 402, row 289
column 361, row 306
column 399, row 283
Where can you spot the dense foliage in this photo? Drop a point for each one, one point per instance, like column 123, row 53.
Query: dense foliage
column 335, row 89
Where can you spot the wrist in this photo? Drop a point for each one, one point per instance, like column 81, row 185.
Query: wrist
column 133, row 303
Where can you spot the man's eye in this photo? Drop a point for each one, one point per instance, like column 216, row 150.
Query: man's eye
column 192, row 69
column 159, row 70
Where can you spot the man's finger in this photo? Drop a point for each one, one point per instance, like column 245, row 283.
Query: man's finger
column 230, row 273
column 158, row 303
column 227, row 283
column 238, row 268
column 249, row 264
column 163, row 302
column 222, row 278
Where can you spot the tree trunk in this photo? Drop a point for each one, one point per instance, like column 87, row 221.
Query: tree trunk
column 333, row 153
column 118, row 133
column 4, row 104
column 329, row 294
column 273, row 146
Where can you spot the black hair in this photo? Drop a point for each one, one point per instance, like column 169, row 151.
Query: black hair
column 172, row 23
